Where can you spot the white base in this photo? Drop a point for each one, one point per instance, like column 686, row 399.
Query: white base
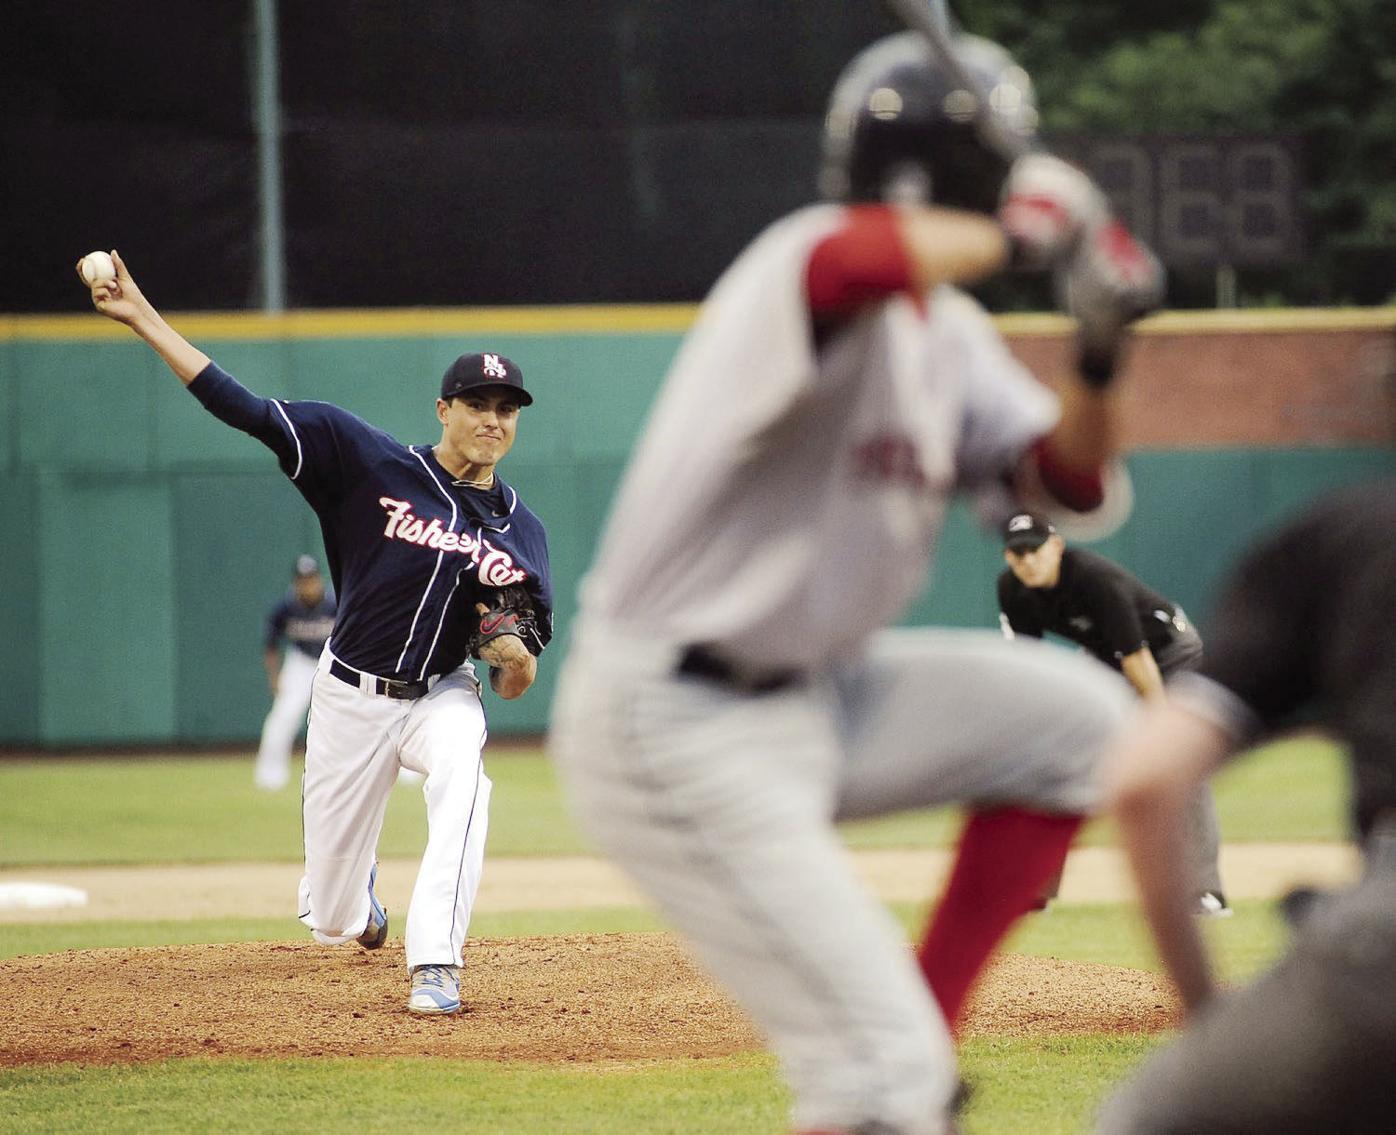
column 39, row 896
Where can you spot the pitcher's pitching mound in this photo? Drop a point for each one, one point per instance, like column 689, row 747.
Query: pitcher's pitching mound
column 572, row 998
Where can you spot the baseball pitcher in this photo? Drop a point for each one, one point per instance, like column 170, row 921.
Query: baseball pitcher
column 436, row 562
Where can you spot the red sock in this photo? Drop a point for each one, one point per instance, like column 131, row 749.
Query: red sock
column 1005, row 857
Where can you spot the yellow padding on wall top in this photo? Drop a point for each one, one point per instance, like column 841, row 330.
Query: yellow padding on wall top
column 625, row 319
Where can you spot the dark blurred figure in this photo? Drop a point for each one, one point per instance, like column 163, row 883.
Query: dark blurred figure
column 1306, row 625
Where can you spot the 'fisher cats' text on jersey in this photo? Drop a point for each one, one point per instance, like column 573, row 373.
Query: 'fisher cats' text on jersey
column 410, row 550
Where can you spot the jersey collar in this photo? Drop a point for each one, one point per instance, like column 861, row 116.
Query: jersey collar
column 511, row 498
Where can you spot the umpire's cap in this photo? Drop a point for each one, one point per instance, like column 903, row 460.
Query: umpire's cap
column 1024, row 531
column 471, row 372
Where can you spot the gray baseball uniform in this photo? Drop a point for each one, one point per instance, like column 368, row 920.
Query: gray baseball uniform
column 782, row 502
column 725, row 697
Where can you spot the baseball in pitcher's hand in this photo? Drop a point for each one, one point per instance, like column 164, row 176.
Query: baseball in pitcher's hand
column 119, row 299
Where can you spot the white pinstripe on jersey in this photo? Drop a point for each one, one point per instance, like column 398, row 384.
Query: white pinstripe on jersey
column 300, row 453
column 440, row 555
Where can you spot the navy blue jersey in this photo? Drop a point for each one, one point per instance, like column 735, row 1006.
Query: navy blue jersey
column 304, row 626
column 409, row 550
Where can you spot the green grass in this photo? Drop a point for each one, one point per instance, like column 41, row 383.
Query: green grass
column 1044, row 1085
column 408, row 1095
column 1115, row 935
column 19, row 938
column 204, row 809
column 99, row 811
column 1050, row 1086
column 1295, row 789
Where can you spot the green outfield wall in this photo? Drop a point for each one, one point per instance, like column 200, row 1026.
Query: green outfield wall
column 143, row 541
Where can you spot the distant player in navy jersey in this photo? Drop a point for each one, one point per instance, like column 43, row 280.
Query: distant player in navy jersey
column 302, row 620
column 434, row 560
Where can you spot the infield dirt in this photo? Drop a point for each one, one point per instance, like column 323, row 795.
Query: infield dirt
column 571, row 998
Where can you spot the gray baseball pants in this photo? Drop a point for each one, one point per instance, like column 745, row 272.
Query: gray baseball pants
column 721, row 804
column 1307, row 1049
column 1185, row 653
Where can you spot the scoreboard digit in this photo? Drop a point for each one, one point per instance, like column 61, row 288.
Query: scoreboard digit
column 1202, row 200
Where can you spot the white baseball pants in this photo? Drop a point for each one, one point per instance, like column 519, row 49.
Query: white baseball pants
column 721, row 804
column 356, row 744
column 284, row 720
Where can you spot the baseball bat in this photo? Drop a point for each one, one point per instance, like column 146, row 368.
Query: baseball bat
column 932, row 22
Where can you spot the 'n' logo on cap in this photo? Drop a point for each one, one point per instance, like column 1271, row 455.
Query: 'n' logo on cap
column 494, row 368
column 1020, row 523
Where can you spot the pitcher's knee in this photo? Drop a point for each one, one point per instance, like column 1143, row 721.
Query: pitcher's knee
column 335, row 923
column 454, row 775
column 329, row 938
column 340, row 924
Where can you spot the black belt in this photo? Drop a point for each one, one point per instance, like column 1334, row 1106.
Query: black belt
column 701, row 662
column 403, row 691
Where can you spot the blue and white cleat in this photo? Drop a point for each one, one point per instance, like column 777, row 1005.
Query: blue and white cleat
column 376, row 933
column 435, row 990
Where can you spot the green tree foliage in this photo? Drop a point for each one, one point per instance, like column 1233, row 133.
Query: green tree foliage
column 1324, row 70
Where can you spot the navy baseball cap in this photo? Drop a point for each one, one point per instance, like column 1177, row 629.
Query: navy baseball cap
column 1024, row 531
column 306, row 567
column 471, row 372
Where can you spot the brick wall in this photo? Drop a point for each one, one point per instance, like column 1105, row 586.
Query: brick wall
column 1244, row 379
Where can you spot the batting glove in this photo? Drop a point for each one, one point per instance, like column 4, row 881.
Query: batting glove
column 1111, row 281
column 1047, row 205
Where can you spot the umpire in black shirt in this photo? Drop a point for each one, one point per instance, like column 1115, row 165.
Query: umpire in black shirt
column 1083, row 597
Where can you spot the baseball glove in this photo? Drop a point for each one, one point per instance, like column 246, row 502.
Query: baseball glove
column 509, row 611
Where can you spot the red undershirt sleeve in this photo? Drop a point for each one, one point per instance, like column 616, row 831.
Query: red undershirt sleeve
column 1080, row 490
column 862, row 262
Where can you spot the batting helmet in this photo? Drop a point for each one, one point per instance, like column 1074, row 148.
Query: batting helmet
column 900, row 126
